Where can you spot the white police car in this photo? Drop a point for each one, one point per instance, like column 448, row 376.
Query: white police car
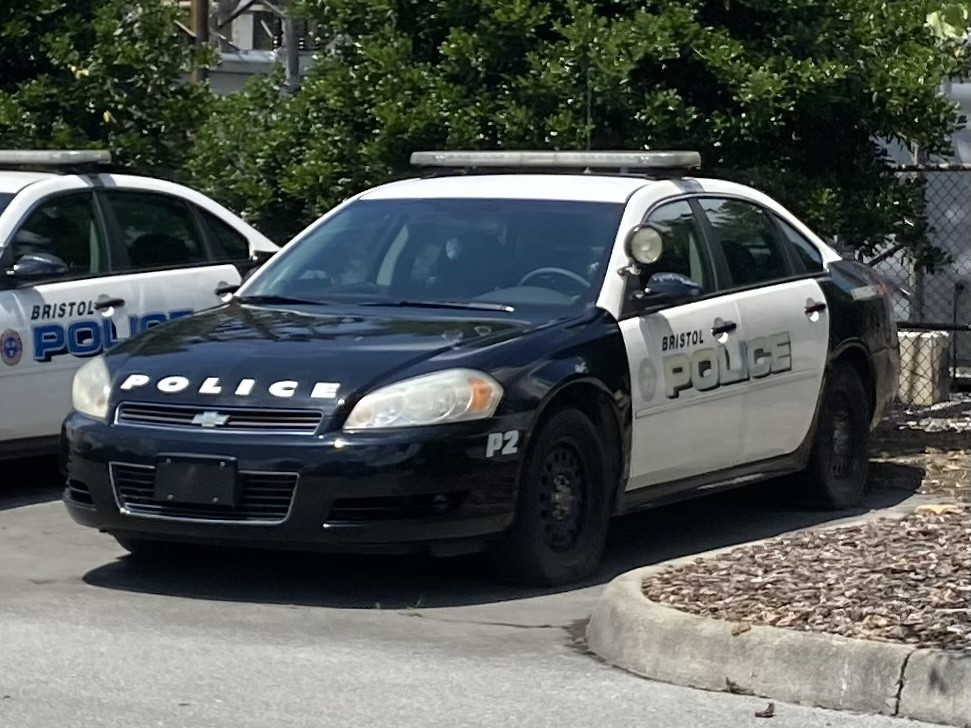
column 88, row 259
column 496, row 361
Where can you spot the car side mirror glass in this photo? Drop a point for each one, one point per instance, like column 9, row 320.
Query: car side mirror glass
column 665, row 289
column 37, row 267
column 644, row 244
column 259, row 257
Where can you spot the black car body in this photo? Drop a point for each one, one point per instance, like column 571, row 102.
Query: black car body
column 230, row 426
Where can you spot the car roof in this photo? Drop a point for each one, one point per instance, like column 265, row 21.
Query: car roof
column 12, row 181
column 566, row 187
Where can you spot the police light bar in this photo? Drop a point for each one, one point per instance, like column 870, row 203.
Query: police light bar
column 588, row 160
column 54, row 157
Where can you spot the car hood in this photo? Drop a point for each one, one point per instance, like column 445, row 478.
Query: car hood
column 245, row 355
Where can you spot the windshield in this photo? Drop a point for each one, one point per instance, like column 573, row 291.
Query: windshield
column 488, row 253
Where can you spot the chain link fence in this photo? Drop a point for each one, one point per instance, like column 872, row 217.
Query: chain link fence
column 933, row 309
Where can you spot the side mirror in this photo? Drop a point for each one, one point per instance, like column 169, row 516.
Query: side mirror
column 224, row 290
column 37, row 267
column 259, row 257
column 666, row 289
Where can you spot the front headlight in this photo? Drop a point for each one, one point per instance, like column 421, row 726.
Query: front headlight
column 92, row 389
column 454, row 395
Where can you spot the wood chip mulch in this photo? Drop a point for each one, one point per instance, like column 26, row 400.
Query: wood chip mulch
column 894, row 580
column 906, row 581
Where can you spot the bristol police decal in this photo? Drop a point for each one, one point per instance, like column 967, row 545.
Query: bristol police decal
column 647, row 376
column 682, row 340
column 87, row 337
column 712, row 367
column 11, row 347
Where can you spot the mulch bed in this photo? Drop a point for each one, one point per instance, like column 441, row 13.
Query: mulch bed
column 895, row 580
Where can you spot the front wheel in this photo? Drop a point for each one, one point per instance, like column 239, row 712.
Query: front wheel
column 835, row 476
column 564, row 506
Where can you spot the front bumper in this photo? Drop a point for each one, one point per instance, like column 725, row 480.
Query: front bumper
column 384, row 492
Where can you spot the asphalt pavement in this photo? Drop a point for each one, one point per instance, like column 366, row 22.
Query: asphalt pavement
column 239, row 639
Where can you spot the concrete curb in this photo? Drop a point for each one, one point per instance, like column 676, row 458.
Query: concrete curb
column 828, row 671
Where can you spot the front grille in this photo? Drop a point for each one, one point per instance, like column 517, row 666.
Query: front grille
column 265, row 498
column 396, row 507
column 237, row 419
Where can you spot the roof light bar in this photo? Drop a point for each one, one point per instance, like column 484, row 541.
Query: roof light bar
column 54, row 157
column 590, row 160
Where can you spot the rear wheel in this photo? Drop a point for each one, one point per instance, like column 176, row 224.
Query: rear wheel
column 836, row 474
column 561, row 522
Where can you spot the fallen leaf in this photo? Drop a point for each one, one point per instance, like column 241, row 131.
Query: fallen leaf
column 767, row 713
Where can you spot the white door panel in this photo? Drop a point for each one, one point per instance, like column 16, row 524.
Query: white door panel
column 59, row 329
column 779, row 407
column 687, row 411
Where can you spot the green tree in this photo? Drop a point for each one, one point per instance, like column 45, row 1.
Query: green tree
column 788, row 95
column 97, row 73
column 948, row 19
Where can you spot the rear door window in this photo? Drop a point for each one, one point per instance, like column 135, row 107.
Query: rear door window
column 748, row 239
column 158, row 231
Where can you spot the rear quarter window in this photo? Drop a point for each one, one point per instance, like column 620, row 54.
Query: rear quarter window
column 231, row 245
column 808, row 254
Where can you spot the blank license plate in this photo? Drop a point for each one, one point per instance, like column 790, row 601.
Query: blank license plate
column 199, row 481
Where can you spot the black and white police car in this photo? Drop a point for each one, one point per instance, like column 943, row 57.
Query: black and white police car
column 498, row 360
column 87, row 259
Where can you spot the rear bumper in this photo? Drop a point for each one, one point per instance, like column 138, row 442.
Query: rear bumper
column 381, row 492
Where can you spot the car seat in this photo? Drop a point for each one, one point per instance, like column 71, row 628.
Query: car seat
column 475, row 269
column 741, row 263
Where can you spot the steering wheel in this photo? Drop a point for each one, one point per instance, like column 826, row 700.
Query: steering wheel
column 555, row 271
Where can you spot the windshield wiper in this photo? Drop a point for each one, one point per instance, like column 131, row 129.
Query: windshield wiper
column 479, row 305
column 271, row 299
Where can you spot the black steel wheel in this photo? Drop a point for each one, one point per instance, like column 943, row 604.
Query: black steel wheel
column 564, row 505
column 837, row 470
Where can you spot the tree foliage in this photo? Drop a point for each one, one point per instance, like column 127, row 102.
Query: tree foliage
column 102, row 73
column 788, row 95
column 948, row 18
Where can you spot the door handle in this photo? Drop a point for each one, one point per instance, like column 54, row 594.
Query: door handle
column 815, row 306
column 106, row 303
column 725, row 327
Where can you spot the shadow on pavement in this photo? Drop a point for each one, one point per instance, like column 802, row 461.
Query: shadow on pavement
column 29, row 481
column 368, row 582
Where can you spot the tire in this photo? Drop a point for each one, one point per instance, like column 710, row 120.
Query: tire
column 563, row 510
column 836, row 474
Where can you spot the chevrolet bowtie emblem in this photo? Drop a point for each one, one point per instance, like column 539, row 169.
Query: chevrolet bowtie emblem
column 210, row 419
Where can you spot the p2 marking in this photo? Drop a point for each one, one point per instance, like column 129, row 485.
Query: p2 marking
column 502, row 443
